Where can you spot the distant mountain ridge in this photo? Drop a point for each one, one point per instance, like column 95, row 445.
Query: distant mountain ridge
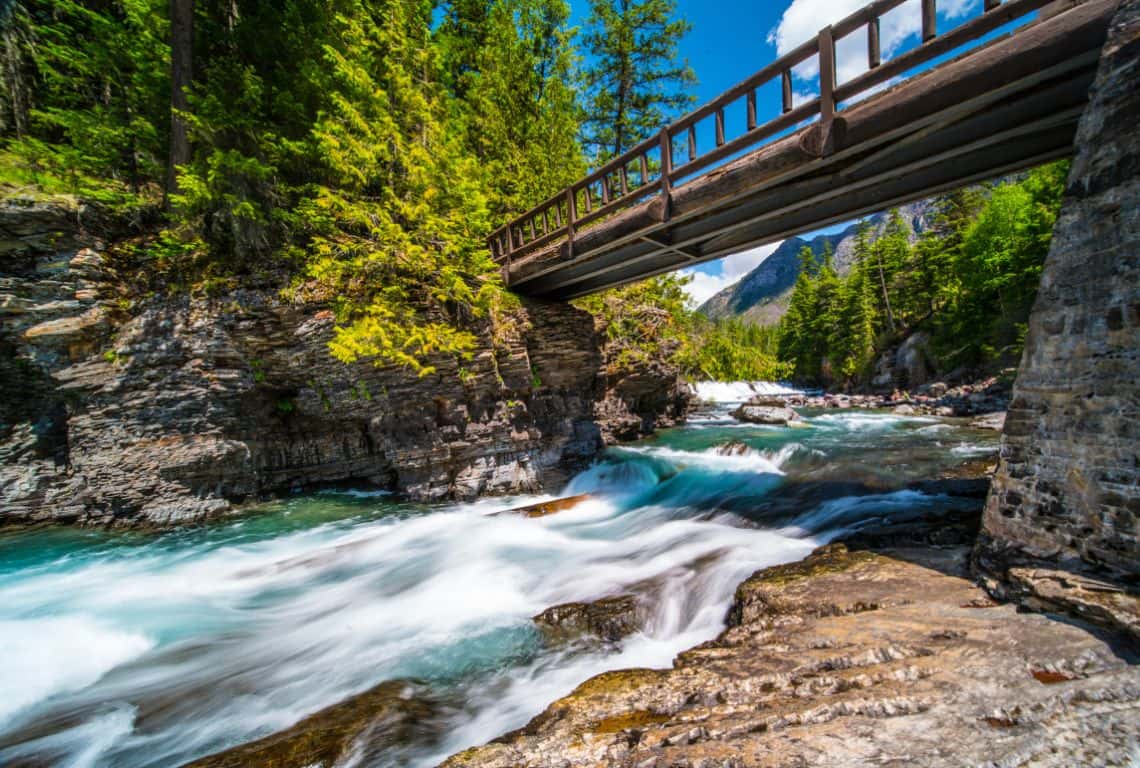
column 762, row 295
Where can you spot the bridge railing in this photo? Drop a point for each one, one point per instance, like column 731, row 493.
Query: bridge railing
column 652, row 167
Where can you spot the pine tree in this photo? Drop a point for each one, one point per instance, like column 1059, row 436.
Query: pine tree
column 397, row 221
column 798, row 329
column 891, row 254
column 16, row 90
column 939, row 249
column 636, row 80
column 507, row 64
column 182, row 73
column 100, row 89
column 851, row 338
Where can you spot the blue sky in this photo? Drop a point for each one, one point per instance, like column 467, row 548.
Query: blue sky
column 731, row 39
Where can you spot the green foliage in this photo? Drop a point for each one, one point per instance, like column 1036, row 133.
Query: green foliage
column 998, row 268
column 970, row 280
column 508, row 67
column 731, row 350
column 644, row 321
column 651, row 320
column 96, row 95
column 636, row 80
column 395, row 232
column 356, row 152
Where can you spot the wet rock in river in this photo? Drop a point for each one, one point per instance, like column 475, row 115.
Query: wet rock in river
column 734, row 448
column 609, row 619
column 360, row 729
column 762, row 414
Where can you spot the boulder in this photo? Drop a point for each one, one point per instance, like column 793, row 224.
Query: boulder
column 609, row 619
column 768, row 401
column 757, row 414
column 912, row 366
column 365, row 727
column 934, row 389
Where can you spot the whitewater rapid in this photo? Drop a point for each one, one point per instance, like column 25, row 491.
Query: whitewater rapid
column 139, row 651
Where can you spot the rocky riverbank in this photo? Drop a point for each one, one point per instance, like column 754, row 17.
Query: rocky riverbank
column 986, row 396
column 123, row 406
column 853, row 658
column 985, row 401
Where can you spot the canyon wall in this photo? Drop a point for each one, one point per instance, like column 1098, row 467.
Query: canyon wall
column 116, row 408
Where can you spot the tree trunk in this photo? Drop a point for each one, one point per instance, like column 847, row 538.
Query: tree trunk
column 886, row 298
column 13, row 70
column 182, row 72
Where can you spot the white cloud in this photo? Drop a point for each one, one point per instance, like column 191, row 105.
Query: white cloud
column 705, row 285
column 805, row 18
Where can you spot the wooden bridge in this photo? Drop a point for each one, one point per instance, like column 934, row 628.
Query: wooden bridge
column 998, row 93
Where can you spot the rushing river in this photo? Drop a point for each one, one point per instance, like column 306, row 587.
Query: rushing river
column 132, row 649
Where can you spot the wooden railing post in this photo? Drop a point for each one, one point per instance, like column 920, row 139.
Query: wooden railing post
column 929, row 20
column 827, row 104
column 666, row 170
column 571, row 217
column 874, row 48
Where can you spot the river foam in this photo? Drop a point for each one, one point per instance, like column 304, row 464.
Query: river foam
column 43, row 657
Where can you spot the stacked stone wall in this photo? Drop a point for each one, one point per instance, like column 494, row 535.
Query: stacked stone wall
column 1067, row 489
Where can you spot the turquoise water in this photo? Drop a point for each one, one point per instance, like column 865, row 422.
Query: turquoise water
column 139, row 650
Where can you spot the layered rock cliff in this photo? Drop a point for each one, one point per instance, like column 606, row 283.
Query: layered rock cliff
column 172, row 408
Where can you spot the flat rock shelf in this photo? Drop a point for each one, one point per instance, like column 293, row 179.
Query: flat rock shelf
column 853, row 658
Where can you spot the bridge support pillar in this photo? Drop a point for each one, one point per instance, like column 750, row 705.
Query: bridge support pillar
column 1064, row 510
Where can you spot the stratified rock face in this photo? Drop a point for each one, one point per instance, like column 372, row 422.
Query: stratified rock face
column 1067, row 489
column 174, row 410
column 852, row 659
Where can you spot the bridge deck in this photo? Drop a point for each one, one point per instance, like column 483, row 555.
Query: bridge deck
column 1007, row 105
